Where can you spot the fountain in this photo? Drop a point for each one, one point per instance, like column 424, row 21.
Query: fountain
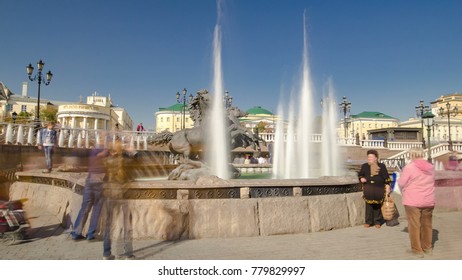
column 9, row 134
column 30, row 136
column 293, row 157
column 218, row 148
column 200, row 200
column 20, row 136
column 330, row 151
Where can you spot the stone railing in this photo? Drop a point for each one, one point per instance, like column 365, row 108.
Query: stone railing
column 435, row 151
column 403, row 145
column 24, row 134
column 254, row 168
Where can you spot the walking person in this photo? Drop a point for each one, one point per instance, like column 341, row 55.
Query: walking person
column 92, row 197
column 376, row 184
column 47, row 141
column 116, row 205
column 417, row 183
column 140, row 128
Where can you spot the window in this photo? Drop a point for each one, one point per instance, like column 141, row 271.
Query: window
column 168, row 119
column 23, row 108
column 161, row 119
column 9, row 107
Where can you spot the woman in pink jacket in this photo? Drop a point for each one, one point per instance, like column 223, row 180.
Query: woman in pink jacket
column 417, row 183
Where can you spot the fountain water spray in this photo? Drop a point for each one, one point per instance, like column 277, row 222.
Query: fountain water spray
column 329, row 148
column 217, row 149
column 294, row 156
column 20, row 137
column 298, row 146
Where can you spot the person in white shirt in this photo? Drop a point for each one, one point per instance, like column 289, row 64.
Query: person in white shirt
column 46, row 142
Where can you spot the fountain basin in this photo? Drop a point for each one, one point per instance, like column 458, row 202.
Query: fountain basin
column 209, row 208
column 214, row 208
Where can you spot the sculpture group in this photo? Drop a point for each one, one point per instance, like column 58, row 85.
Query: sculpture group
column 190, row 142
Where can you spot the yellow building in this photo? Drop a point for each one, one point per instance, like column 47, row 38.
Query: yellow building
column 171, row 118
column 12, row 103
column 357, row 126
column 261, row 119
column 96, row 113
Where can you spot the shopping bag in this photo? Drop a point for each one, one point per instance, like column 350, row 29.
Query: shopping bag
column 388, row 208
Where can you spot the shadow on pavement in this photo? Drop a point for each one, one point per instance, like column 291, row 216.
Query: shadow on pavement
column 156, row 248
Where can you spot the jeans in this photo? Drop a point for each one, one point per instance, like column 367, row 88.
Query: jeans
column 92, row 197
column 420, row 227
column 48, row 150
column 114, row 209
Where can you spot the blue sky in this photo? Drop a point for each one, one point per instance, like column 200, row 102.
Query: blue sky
column 382, row 55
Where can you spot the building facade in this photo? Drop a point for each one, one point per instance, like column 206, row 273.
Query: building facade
column 96, row 113
column 261, row 120
column 357, row 126
column 171, row 118
column 11, row 103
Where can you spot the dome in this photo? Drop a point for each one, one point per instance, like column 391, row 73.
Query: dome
column 257, row 110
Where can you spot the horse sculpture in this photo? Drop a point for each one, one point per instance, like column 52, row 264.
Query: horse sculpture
column 189, row 142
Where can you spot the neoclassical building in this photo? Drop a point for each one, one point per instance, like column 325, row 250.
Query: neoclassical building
column 171, row 118
column 359, row 125
column 10, row 102
column 261, row 119
column 97, row 113
column 441, row 125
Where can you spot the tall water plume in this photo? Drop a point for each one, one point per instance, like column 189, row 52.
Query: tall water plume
column 218, row 149
column 279, row 151
column 329, row 147
column 298, row 145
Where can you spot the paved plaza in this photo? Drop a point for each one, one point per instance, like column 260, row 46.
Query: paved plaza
column 49, row 241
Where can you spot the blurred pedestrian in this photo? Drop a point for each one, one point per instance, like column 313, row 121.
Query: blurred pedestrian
column 47, row 140
column 417, row 184
column 92, row 197
column 117, row 178
column 140, row 128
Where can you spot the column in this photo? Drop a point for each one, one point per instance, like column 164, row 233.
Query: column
column 96, row 123
column 73, row 122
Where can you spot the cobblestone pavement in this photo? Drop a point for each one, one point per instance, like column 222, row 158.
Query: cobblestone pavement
column 49, row 241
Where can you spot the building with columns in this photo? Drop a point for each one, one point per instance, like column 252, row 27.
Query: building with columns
column 261, row 119
column 442, row 124
column 96, row 113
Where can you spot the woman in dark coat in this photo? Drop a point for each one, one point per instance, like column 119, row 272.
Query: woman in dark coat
column 376, row 184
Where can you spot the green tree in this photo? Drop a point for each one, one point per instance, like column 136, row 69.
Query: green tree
column 23, row 117
column 48, row 114
column 261, row 126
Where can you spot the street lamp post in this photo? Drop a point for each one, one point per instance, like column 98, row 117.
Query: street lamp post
column 14, row 116
column 39, row 77
column 228, row 100
column 179, row 100
column 448, row 112
column 419, row 111
column 428, row 118
column 345, row 107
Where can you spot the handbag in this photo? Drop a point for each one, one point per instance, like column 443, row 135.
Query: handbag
column 388, row 208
